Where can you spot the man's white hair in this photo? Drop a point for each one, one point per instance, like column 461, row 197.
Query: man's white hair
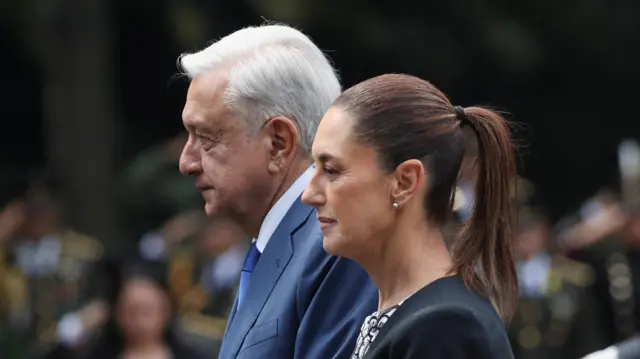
column 276, row 70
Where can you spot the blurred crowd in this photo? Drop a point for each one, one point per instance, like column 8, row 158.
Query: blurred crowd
column 579, row 275
column 167, row 292
column 163, row 292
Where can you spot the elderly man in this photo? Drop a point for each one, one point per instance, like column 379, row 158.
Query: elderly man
column 252, row 109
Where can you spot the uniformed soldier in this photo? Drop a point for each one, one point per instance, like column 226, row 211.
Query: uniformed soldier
column 176, row 245
column 616, row 261
column 607, row 237
column 204, row 261
column 554, row 315
column 204, row 279
column 47, row 269
column 13, row 287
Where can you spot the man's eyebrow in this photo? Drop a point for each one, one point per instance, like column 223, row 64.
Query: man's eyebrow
column 198, row 126
column 191, row 124
column 192, row 120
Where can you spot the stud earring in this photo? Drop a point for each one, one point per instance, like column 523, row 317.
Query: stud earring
column 395, row 204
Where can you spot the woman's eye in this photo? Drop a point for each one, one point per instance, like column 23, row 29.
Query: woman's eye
column 325, row 170
column 330, row 171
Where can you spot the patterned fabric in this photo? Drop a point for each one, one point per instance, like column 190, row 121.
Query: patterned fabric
column 370, row 329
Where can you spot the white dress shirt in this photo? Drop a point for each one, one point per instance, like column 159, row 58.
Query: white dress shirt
column 280, row 209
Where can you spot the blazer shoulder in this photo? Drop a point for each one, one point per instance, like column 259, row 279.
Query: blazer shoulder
column 454, row 332
column 446, row 317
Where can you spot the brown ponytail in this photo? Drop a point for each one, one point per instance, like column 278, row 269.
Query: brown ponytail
column 404, row 117
column 483, row 255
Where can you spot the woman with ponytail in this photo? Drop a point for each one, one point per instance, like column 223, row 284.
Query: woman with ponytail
column 387, row 158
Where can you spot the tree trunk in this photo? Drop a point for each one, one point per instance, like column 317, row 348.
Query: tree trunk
column 80, row 109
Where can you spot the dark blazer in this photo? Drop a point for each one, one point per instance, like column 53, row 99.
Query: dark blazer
column 444, row 320
column 301, row 302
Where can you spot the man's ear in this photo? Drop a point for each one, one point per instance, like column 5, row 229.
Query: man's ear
column 282, row 136
column 407, row 179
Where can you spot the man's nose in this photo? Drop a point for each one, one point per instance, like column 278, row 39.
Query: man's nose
column 189, row 161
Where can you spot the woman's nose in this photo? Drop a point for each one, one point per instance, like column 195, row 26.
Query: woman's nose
column 306, row 196
column 312, row 196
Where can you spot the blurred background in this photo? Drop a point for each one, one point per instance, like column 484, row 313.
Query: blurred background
column 103, row 246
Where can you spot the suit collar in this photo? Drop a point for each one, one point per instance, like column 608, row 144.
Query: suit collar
column 280, row 209
column 272, row 263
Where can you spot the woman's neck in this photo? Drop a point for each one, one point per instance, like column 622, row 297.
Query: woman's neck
column 415, row 256
column 147, row 349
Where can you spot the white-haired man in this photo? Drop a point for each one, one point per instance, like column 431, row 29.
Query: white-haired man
column 255, row 100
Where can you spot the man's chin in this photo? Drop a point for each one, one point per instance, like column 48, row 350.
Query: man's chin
column 211, row 210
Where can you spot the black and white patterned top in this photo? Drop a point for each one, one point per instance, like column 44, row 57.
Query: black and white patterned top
column 370, row 329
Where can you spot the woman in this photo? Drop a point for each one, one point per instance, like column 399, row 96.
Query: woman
column 387, row 156
column 141, row 323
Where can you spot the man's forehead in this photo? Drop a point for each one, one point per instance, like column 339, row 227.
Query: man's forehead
column 209, row 87
column 193, row 115
column 208, row 120
column 205, row 99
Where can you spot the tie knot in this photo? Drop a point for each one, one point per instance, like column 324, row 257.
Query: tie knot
column 252, row 258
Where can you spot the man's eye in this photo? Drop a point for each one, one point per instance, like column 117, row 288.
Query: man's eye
column 205, row 142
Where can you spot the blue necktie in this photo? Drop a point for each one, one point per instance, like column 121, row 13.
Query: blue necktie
column 247, row 269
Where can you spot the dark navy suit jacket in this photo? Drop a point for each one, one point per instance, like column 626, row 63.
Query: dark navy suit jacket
column 301, row 302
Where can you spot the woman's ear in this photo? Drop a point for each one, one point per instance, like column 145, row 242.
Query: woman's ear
column 408, row 180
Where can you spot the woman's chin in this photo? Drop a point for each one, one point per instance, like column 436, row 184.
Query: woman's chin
column 331, row 244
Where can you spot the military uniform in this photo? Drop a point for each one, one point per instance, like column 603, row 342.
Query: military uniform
column 555, row 314
column 42, row 280
column 557, row 322
column 202, row 313
column 617, row 286
column 13, row 307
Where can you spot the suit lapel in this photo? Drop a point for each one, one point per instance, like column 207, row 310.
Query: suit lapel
column 268, row 270
column 232, row 315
